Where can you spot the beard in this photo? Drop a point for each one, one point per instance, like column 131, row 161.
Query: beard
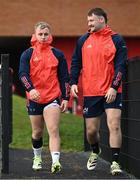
column 92, row 29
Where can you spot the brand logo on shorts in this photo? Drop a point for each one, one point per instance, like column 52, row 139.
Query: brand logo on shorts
column 85, row 110
column 120, row 104
column 32, row 109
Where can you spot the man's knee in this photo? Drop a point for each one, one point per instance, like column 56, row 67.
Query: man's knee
column 113, row 120
column 37, row 133
column 115, row 128
column 114, row 125
column 91, row 131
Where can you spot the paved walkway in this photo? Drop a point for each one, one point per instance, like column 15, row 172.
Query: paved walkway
column 74, row 167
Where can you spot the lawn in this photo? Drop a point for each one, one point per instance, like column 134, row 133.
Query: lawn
column 71, row 129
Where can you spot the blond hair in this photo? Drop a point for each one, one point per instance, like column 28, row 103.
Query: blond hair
column 42, row 25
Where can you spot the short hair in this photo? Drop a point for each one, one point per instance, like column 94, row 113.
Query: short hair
column 42, row 25
column 98, row 12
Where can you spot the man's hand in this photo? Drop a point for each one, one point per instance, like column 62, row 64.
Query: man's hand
column 34, row 95
column 111, row 95
column 64, row 105
column 74, row 90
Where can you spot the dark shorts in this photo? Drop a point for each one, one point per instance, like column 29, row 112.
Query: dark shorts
column 35, row 108
column 94, row 106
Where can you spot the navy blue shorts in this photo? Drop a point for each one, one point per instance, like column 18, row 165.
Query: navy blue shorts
column 94, row 106
column 35, row 108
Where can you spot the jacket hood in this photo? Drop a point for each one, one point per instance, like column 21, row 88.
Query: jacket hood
column 105, row 31
column 35, row 42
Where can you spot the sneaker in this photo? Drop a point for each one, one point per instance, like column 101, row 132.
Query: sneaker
column 56, row 167
column 92, row 161
column 115, row 168
column 37, row 163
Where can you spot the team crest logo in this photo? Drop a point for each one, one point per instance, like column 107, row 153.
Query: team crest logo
column 36, row 59
column 89, row 46
column 85, row 110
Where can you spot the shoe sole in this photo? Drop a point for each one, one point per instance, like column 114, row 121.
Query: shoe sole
column 36, row 169
column 90, row 169
column 115, row 173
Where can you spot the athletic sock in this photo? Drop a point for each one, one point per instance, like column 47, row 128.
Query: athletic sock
column 95, row 148
column 115, row 154
column 37, row 146
column 37, row 143
column 37, row 152
column 55, row 156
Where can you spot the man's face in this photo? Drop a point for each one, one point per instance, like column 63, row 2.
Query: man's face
column 42, row 34
column 95, row 23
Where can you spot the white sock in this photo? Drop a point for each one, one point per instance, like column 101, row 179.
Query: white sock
column 37, row 152
column 55, row 156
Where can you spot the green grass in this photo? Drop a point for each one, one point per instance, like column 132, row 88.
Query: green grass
column 71, row 129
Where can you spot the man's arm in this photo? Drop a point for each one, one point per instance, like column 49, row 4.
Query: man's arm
column 76, row 64
column 119, row 62
column 63, row 77
column 119, row 66
column 24, row 70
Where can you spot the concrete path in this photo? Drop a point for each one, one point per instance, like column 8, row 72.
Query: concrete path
column 74, row 167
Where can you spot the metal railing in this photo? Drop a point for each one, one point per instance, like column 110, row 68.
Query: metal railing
column 5, row 112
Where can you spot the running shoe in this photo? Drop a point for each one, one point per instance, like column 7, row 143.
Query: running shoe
column 115, row 168
column 92, row 161
column 37, row 163
column 56, row 167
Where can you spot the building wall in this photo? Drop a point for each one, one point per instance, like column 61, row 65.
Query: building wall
column 133, row 45
column 67, row 17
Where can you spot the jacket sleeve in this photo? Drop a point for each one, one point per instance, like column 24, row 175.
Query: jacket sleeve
column 119, row 63
column 24, row 70
column 76, row 64
column 63, row 77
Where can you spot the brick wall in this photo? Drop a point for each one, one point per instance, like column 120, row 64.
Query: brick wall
column 67, row 17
